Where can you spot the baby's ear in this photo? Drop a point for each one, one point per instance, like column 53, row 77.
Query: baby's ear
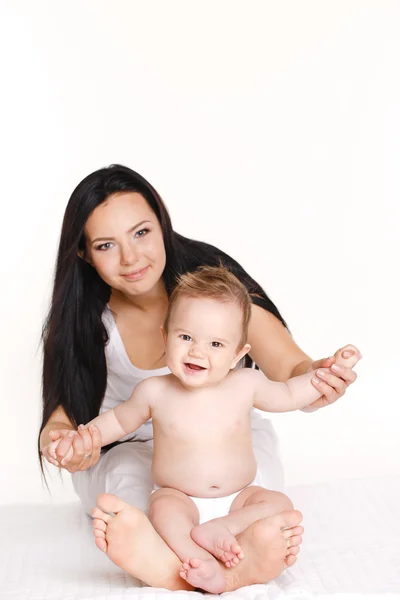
column 242, row 352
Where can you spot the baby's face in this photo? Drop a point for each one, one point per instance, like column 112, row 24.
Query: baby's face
column 203, row 340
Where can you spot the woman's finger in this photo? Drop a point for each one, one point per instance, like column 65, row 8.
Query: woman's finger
column 348, row 375
column 56, row 434
column 323, row 362
column 65, row 445
column 87, row 440
column 328, row 394
column 76, row 457
column 336, row 383
column 68, row 457
column 84, row 451
column 96, row 444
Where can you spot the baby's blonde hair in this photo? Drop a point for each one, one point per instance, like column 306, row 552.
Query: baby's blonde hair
column 216, row 283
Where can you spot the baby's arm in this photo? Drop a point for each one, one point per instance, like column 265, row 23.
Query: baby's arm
column 116, row 423
column 295, row 393
column 127, row 416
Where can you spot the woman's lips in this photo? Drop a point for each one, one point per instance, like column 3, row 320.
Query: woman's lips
column 135, row 275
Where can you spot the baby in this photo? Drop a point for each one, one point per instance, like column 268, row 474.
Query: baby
column 207, row 487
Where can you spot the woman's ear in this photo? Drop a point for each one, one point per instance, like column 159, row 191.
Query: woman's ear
column 246, row 348
column 83, row 256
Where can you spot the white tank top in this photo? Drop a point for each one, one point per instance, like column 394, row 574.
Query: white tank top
column 123, row 376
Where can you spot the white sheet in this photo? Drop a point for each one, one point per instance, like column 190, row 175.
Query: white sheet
column 351, row 550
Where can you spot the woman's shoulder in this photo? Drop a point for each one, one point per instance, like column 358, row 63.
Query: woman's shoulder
column 108, row 319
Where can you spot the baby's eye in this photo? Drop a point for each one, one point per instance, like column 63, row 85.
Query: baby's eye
column 105, row 246
column 216, row 344
column 185, row 338
column 141, row 233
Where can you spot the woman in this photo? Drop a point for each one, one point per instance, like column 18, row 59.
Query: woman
column 117, row 263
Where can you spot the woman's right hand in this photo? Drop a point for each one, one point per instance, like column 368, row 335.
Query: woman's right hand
column 74, row 450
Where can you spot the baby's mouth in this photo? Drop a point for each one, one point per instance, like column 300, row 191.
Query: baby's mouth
column 194, row 367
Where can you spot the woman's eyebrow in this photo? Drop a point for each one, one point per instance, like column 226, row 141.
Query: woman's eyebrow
column 129, row 231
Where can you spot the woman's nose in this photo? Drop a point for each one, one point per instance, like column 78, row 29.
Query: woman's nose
column 128, row 255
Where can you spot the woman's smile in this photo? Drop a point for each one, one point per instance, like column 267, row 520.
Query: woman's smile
column 135, row 275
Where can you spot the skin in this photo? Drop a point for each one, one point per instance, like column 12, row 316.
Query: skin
column 139, row 301
column 202, row 435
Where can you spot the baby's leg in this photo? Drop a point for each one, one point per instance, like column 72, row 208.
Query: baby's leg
column 173, row 515
column 218, row 536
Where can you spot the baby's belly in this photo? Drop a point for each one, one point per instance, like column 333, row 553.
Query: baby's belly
column 205, row 472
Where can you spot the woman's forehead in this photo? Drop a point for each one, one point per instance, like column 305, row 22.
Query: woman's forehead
column 119, row 212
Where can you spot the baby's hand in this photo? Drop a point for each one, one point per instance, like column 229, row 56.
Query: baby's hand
column 333, row 376
column 65, row 451
column 51, row 448
column 347, row 356
column 52, row 453
column 74, row 450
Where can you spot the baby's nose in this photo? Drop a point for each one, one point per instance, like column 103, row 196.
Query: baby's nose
column 196, row 350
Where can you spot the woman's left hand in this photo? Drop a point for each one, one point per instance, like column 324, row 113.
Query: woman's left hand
column 334, row 381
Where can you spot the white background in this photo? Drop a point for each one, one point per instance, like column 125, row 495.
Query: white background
column 271, row 129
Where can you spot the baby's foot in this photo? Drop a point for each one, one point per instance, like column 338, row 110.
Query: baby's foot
column 204, row 574
column 121, row 537
column 216, row 538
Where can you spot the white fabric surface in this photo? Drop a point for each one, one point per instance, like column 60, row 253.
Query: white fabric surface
column 351, row 551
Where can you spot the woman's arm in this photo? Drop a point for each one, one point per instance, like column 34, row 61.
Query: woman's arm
column 273, row 348
column 279, row 358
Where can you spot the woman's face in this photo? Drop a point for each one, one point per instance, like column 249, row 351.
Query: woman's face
column 125, row 244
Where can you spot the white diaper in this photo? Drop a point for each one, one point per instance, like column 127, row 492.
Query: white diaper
column 213, row 508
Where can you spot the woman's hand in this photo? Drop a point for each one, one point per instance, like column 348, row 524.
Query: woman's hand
column 332, row 379
column 74, row 450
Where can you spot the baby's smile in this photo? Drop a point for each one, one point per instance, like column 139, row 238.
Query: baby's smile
column 192, row 368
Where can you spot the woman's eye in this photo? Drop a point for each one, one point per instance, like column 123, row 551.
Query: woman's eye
column 185, row 338
column 216, row 344
column 105, row 246
column 141, row 233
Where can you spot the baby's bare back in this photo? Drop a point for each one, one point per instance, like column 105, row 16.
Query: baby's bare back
column 202, row 439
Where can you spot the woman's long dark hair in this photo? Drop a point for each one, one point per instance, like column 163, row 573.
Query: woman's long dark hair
column 74, row 336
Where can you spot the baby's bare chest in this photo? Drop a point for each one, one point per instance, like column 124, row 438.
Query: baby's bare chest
column 211, row 417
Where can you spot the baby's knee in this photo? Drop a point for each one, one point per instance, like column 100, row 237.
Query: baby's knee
column 282, row 501
column 167, row 501
column 286, row 501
